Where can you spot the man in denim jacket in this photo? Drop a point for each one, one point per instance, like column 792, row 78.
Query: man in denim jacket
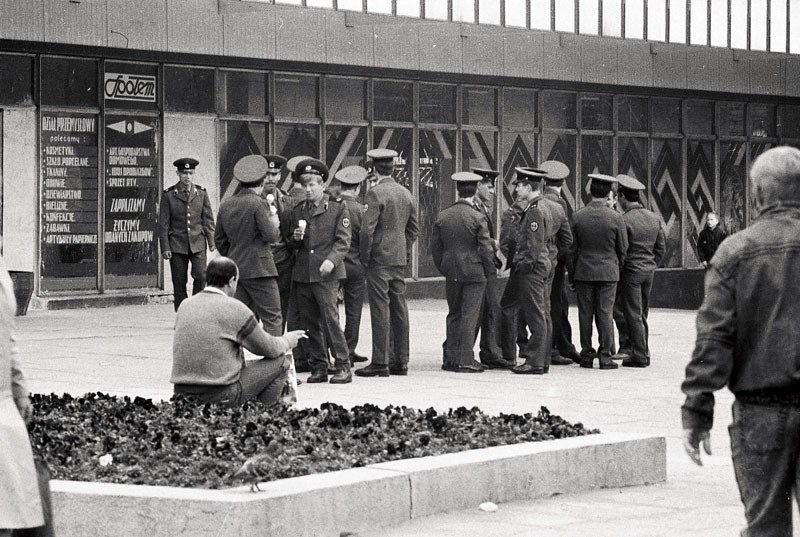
column 748, row 338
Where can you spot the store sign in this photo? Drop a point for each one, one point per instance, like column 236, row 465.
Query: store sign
column 129, row 87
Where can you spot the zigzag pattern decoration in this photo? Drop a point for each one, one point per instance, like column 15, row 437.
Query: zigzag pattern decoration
column 633, row 161
column 518, row 155
column 594, row 159
column 700, row 191
column 665, row 197
column 242, row 145
column 733, row 173
column 563, row 150
column 346, row 146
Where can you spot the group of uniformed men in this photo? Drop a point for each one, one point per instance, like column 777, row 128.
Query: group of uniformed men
column 295, row 252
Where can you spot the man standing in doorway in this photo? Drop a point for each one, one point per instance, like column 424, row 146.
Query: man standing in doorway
column 185, row 227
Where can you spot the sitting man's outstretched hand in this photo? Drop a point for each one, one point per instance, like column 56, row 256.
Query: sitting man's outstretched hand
column 294, row 337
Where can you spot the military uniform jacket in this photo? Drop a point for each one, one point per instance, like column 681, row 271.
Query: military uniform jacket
column 531, row 242
column 327, row 236
column 356, row 210
column 509, row 224
column 560, row 237
column 600, row 243
column 460, row 244
column 389, row 227
column 646, row 241
column 185, row 220
column 487, row 215
column 245, row 233
column 284, row 204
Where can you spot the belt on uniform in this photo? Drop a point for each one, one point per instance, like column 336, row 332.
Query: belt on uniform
column 783, row 398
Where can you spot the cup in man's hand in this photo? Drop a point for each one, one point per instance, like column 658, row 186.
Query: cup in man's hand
column 300, row 231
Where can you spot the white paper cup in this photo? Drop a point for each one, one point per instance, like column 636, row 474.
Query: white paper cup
column 302, row 225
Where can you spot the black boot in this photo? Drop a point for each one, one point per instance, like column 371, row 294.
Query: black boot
column 319, row 375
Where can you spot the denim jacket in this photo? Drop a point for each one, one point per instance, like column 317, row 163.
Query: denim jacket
column 748, row 328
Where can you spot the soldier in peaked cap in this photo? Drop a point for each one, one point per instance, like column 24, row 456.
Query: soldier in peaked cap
column 185, row 227
column 388, row 232
column 245, row 232
column 354, row 285
column 646, row 248
column 598, row 251
column 296, row 190
column 563, row 351
column 530, row 265
column 321, row 238
column 463, row 252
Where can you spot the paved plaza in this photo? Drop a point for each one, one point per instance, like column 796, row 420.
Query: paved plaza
column 127, row 351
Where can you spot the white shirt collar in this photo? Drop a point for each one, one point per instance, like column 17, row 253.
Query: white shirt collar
column 211, row 289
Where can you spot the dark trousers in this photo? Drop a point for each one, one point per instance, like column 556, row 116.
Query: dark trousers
column 284, row 279
column 262, row 297
column 463, row 312
column 548, row 287
column 630, row 314
column 178, row 265
column 596, row 302
column 526, row 291
column 765, row 443
column 353, row 287
column 490, row 320
column 319, row 316
column 559, row 312
column 386, row 288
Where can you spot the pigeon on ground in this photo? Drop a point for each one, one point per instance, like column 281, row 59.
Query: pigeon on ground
column 257, row 467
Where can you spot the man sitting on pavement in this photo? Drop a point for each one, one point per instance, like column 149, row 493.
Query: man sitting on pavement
column 211, row 331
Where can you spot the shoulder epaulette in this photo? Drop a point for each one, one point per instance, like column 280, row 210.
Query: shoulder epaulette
column 169, row 189
column 198, row 187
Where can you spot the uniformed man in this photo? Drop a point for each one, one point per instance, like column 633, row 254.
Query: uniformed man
column 530, row 266
column 388, row 232
column 245, row 232
column 321, row 237
column 646, row 248
column 491, row 355
column 598, row 251
column 563, row 351
column 354, row 285
column 280, row 204
column 463, row 252
column 185, row 227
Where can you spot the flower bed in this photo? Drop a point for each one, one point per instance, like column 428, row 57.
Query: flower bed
column 99, row 437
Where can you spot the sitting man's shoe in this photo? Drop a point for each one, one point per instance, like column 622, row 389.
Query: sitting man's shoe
column 320, row 375
column 447, row 366
column 528, row 369
column 560, row 360
column 356, row 358
column 373, row 370
column 499, row 363
column 621, row 355
column 631, row 362
column 399, row 370
column 342, row 376
column 467, row 368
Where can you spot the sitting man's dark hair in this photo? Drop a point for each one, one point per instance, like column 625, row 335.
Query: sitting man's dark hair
column 220, row 271
column 599, row 189
column 466, row 190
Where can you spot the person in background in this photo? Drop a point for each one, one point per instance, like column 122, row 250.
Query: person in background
column 711, row 236
column 185, row 227
column 747, row 340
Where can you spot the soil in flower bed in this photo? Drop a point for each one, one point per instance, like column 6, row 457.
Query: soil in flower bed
column 180, row 443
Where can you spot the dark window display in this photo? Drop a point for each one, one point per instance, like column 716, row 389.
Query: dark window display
column 238, row 139
column 69, row 225
column 345, row 98
column 519, row 150
column 699, row 117
column 437, row 162
column 393, row 101
column 595, row 158
column 733, row 186
column 189, row 90
column 558, row 110
column 731, row 119
column 562, row 147
column 790, row 121
column 764, row 120
column 244, row 93
column 294, row 140
column 131, row 199
column 401, row 140
column 519, row 108
column 632, row 160
column 479, row 106
column 69, row 82
column 665, row 115
column 700, row 188
column 296, row 96
column 665, row 192
column 478, row 151
column 632, row 114
column 16, row 79
column 596, row 112
column 437, row 103
column 345, row 146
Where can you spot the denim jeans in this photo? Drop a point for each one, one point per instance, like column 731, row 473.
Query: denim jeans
column 765, row 444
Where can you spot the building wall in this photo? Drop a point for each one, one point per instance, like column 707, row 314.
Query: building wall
column 20, row 193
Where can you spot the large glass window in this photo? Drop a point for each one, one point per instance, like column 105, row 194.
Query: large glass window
column 612, row 18
column 665, row 193
column 731, row 119
column 519, row 108
column 657, row 20
column 540, row 14
column 237, row 140
column 295, row 96
column 519, row 150
column 16, row 79
column 665, row 115
column 633, row 160
column 244, row 93
column 292, row 140
column 758, row 24
column 437, row 103
column 634, row 19
column 345, row 146
column 402, row 141
column 699, row 117
column 595, row 158
column 698, row 33
column 596, row 112
column 677, row 21
column 479, row 106
column 188, row 89
column 558, row 110
column 69, row 82
column 790, row 121
column 516, row 13
column 488, row 12
column 589, row 16
column 437, row 162
column 719, row 23
column 739, row 23
column 732, row 186
column 700, row 188
column 478, row 150
column 777, row 26
column 632, row 114
column 393, row 101
column 763, row 120
column 344, row 98
column 563, row 148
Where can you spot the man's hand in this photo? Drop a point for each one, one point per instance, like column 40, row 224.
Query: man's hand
column 166, row 254
column 25, row 408
column 691, row 443
column 326, row 267
column 294, row 337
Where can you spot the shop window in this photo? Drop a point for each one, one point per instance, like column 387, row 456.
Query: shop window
column 189, row 90
column 238, row 139
column 478, row 151
column 596, row 112
column 519, row 108
column 632, row 160
column 699, row 117
column 562, row 147
column 244, row 93
column 763, row 119
column 516, row 13
column 700, row 191
column 731, row 119
column 558, row 110
column 295, row 96
column 437, row 103
column 69, row 82
column 790, row 121
column 595, row 158
column 732, row 186
column 665, row 194
column 437, row 162
column 16, row 79
column 632, row 114
column 479, row 106
column 344, row 98
column 665, row 115
column 294, row 140
column 345, row 146
column 393, row 101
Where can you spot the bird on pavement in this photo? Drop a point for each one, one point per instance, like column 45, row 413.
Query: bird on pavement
column 257, row 467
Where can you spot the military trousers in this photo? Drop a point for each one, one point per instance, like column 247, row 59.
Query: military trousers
column 178, row 265
column 386, row 289
column 490, row 320
column 318, row 314
column 463, row 312
column 559, row 312
column 353, row 286
column 596, row 303
column 630, row 314
column 261, row 295
column 525, row 291
column 284, row 268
